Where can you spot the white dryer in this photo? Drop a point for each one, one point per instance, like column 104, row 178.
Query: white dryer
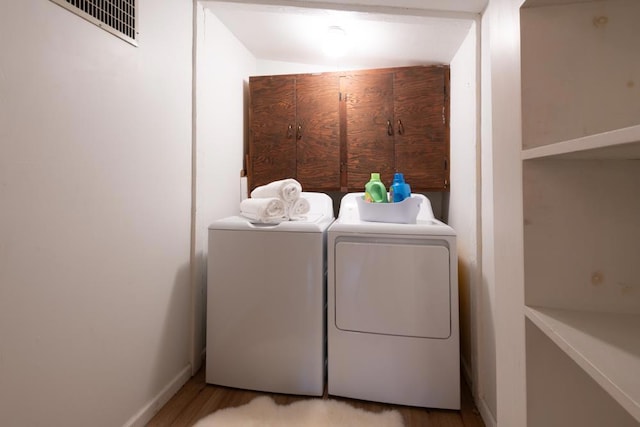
column 266, row 299
column 392, row 317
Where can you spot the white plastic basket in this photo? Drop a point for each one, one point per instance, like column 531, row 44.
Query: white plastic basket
column 404, row 212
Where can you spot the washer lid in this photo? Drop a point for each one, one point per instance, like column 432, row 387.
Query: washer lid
column 319, row 218
column 313, row 223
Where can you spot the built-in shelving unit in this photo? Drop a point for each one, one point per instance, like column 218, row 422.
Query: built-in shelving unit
column 618, row 144
column 605, row 345
column 581, row 188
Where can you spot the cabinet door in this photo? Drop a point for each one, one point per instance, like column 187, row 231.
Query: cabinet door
column 421, row 110
column 272, row 146
column 369, row 127
column 318, row 131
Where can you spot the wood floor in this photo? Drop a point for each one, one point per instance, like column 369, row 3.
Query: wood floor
column 197, row 399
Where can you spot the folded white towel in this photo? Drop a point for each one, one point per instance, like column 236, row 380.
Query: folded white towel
column 298, row 209
column 268, row 210
column 286, row 189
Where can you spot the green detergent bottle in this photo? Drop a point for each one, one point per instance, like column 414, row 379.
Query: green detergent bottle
column 374, row 190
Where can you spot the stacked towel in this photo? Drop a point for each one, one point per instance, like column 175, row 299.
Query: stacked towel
column 268, row 210
column 298, row 209
column 286, row 191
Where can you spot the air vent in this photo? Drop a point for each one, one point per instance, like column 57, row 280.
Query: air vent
column 115, row 16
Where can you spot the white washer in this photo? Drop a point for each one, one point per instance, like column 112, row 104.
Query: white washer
column 266, row 302
column 392, row 317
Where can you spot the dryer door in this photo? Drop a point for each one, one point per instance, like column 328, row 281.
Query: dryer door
column 393, row 287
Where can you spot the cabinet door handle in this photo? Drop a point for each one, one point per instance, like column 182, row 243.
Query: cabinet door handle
column 400, row 127
column 290, row 132
column 299, row 131
column 389, row 128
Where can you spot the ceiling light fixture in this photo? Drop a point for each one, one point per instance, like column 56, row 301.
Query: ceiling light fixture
column 335, row 44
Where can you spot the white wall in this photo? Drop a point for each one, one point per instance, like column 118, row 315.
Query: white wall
column 95, row 166
column 223, row 67
column 486, row 392
column 434, row 5
column 272, row 68
column 501, row 344
column 463, row 197
column 268, row 68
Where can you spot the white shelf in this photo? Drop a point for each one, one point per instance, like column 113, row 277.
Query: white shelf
column 605, row 345
column 617, row 144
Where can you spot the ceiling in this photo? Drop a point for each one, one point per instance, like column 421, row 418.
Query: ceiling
column 377, row 35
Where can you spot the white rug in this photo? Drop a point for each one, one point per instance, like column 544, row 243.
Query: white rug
column 263, row 412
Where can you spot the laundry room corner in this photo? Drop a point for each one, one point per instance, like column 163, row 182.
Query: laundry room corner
column 221, row 69
column 463, row 198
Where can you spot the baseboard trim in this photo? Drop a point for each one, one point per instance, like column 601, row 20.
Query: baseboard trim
column 485, row 413
column 144, row 415
column 482, row 406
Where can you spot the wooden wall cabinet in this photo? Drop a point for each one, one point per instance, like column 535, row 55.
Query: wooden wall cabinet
column 331, row 130
column 293, row 130
column 397, row 121
column 272, row 129
column 368, row 144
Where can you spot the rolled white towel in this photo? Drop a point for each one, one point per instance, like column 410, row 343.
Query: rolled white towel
column 286, row 189
column 268, row 210
column 298, row 209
